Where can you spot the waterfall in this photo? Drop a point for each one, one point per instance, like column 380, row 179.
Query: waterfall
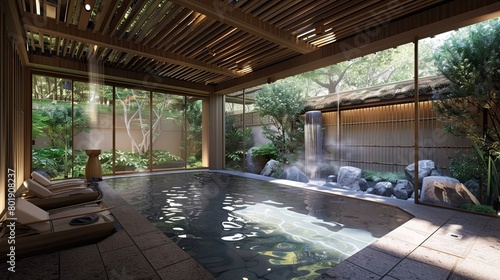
column 313, row 140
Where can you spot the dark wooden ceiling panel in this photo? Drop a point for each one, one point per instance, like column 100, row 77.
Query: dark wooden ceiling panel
column 220, row 43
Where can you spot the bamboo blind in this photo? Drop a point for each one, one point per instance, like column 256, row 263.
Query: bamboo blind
column 381, row 138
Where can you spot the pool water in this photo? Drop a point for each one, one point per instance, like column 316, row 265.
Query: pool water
column 242, row 228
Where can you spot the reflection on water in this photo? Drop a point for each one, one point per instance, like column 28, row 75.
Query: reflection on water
column 240, row 228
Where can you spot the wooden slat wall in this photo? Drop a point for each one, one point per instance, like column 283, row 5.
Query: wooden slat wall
column 381, row 138
column 13, row 136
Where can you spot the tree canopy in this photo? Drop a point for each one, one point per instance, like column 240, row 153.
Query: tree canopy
column 282, row 103
column 470, row 59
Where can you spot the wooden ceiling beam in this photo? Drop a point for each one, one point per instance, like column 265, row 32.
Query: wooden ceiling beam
column 83, row 21
column 71, row 32
column 72, row 67
column 246, row 22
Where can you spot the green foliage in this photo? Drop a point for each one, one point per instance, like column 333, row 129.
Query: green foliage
column 282, row 103
column 479, row 208
column 387, row 66
column 194, row 129
column 38, row 121
column 464, row 167
column 491, row 162
column 60, row 121
column 51, row 160
column 268, row 151
column 135, row 161
column 237, row 141
column 193, row 162
column 470, row 59
column 375, row 176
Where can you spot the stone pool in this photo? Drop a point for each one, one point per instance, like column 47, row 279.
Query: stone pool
column 243, row 228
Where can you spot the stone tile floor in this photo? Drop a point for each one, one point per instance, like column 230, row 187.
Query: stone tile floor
column 436, row 244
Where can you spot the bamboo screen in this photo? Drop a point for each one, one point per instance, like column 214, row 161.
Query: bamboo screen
column 382, row 138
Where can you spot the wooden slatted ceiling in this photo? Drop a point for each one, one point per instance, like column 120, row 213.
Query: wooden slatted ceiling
column 201, row 41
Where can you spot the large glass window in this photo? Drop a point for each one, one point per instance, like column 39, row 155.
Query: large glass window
column 133, row 129
column 92, row 125
column 461, row 124
column 136, row 130
column 194, row 131
column 53, row 126
column 168, row 126
column 240, row 120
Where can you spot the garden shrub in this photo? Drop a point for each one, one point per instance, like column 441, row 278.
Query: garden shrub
column 479, row 208
column 268, row 151
column 375, row 176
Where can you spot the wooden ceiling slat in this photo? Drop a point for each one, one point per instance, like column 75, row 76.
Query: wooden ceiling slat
column 52, row 45
column 31, row 38
column 248, row 23
column 192, row 75
column 118, row 59
column 107, row 55
column 137, row 61
column 90, row 52
column 179, row 37
column 141, row 64
column 115, row 20
column 71, row 11
column 136, row 9
column 266, row 12
column 245, row 56
column 81, row 51
column 133, row 61
column 161, row 68
column 84, row 15
column 65, row 47
column 180, row 73
column 216, row 30
column 160, row 28
column 149, row 26
column 249, row 6
column 165, row 72
column 120, row 45
column 128, row 60
column 283, row 7
column 59, row 42
column 41, row 42
column 189, row 39
column 244, row 43
column 297, row 11
column 74, row 45
column 103, row 13
column 341, row 11
column 98, row 54
column 254, row 39
column 170, row 27
column 213, row 51
column 292, row 17
column 44, row 8
column 58, row 11
column 21, row 5
column 181, row 28
column 360, row 23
